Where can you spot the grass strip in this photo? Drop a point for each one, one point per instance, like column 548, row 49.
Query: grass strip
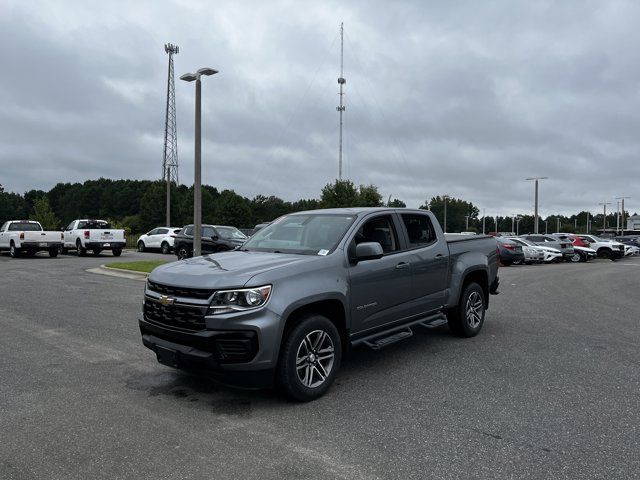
column 144, row 266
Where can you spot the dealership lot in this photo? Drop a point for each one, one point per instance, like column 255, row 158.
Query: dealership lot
column 549, row 389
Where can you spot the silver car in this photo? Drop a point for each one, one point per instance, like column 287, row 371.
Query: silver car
column 565, row 246
column 532, row 253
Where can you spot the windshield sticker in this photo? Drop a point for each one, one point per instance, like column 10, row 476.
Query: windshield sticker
column 323, row 252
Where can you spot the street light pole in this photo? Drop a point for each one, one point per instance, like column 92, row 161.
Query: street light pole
column 622, row 227
column 444, row 197
column 466, row 219
column 197, row 177
column 535, row 224
column 604, row 219
column 484, row 216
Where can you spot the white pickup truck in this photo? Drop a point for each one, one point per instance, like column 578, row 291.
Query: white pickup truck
column 94, row 235
column 27, row 237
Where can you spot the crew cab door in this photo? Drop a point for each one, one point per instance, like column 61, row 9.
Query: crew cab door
column 429, row 262
column 69, row 241
column 380, row 289
column 4, row 239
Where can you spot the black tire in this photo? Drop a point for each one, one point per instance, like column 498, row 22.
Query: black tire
column 605, row 253
column 518, row 262
column 183, row 253
column 506, row 263
column 13, row 251
column 141, row 246
column 53, row 252
column 166, row 249
column 96, row 251
column 575, row 258
column 81, row 251
column 467, row 318
column 299, row 357
column 63, row 250
column 116, row 252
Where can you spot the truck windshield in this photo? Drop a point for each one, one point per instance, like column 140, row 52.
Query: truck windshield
column 307, row 234
column 25, row 227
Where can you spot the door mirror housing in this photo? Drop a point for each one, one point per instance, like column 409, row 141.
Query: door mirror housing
column 368, row 251
column 215, row 238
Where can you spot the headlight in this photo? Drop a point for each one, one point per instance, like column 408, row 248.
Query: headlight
column 226, row 301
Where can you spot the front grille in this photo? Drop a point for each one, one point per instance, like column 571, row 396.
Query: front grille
column 199, row 293
column 174, row 315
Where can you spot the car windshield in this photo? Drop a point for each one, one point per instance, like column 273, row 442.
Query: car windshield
column 521, row 242
column 231, row 233
column 25, row 227
column 308, row 234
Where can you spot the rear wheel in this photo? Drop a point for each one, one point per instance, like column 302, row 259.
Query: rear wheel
column 81, row 251
column 166, row 249
column 517, row 262
column 53, row 252
column 467, row 318
column 96, row 251
column 309, row 359
column 182, row 253
column 13, row 251
column 116, row 252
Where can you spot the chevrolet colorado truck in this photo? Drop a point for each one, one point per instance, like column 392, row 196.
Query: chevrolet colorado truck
column 287, row 305
column 28, row 237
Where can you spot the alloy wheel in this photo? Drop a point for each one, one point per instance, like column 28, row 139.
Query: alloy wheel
column 474, row 309
column 314, row 358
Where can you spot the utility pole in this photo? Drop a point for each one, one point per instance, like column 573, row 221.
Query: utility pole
column 535, row 221
column 604, row 219
column 466, row 220
column 444, row 197
column 341, row 107
column 518, row 225
column 588, row 229
column 170, row 155
column 513, row 222
column 622, row 222
column 483, row 220
column 558, row 223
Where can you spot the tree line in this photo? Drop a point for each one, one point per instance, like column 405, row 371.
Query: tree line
column 139, row 206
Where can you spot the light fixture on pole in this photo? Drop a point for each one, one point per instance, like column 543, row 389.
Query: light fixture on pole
column 535, row 217
column 518, row 218
column 197, row 179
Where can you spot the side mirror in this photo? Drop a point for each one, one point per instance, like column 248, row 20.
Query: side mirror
column 215, row 238
column 368, row 251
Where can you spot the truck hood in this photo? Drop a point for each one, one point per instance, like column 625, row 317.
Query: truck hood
column 223, row 270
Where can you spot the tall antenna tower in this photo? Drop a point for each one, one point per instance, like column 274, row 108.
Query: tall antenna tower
column 170, row 157
column 341, row 107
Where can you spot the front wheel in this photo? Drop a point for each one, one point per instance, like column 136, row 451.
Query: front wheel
column 467, row 318
column 141, row 246
column 605, row 253
column 309, row 358
column 575, row 258
column 182, row 253
column 517, row 262
column 116, row 252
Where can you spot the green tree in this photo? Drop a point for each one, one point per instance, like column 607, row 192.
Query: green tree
column 152, row 206
column 368, row 196
column 457, row 210
column 342, row 193
column 43, row 213
column 232, row 209
column 396, row 203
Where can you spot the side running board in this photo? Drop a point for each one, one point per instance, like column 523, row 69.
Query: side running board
column 379, row 340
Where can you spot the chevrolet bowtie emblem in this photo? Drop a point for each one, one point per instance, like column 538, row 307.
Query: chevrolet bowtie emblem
column 165, row 300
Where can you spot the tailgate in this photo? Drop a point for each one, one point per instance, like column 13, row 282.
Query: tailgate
column 37, row 237
column 106, row 235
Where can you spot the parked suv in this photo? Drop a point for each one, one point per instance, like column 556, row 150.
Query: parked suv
column 160, row 238
column 215, row 238
column 286, row 305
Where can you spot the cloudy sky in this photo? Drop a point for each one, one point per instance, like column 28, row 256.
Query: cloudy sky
column 462, row 98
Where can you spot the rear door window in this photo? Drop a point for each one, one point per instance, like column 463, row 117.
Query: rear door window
column 419, row 230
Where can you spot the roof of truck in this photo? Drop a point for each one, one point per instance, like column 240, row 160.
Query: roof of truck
column 357, row 210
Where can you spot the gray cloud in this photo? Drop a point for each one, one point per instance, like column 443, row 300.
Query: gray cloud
column 467, row 99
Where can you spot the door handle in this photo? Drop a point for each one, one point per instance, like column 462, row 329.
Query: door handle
column 439, row 255
column 402, row 265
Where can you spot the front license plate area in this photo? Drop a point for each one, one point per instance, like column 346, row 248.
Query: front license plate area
column 167, row 356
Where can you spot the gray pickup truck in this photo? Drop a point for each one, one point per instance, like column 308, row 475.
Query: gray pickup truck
column 286, row 306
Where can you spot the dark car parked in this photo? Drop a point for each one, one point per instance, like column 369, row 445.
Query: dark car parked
column 215, row 238
column 510, row 252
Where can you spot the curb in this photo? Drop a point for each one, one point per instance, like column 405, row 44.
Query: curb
column 119, row 272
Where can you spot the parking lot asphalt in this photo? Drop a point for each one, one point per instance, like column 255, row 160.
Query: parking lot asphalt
column 550, row 389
